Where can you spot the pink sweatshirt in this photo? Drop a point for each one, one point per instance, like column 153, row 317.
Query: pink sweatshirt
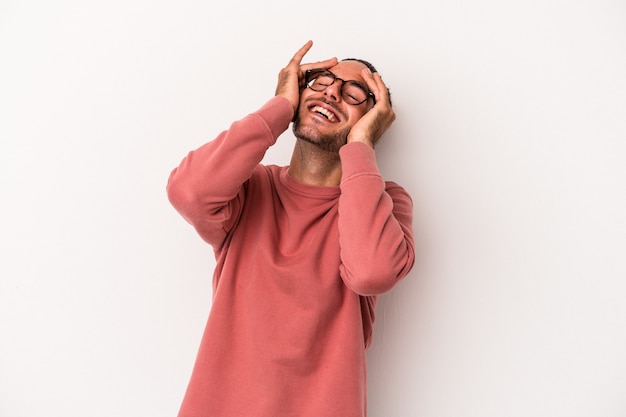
column 298, row 270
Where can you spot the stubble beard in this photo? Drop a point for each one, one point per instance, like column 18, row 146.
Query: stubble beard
column 329, row 142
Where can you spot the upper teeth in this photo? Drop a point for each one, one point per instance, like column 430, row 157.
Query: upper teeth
column 324, row 112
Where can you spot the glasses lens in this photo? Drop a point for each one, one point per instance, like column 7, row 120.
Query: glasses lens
column 320, row 80
column 353, row 93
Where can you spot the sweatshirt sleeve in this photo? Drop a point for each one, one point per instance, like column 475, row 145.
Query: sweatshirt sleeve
column 375, row 224
column 208, row 187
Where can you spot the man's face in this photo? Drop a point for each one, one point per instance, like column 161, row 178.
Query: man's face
column 324, row 118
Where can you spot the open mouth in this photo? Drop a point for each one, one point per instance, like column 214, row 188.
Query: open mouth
column 324, row 112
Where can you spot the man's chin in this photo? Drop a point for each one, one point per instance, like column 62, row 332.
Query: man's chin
column 331, row 143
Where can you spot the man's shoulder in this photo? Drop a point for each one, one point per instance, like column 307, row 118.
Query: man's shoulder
column 396, row 190
column 266, row 173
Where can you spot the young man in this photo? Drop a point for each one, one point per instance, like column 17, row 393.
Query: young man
column 302, row 250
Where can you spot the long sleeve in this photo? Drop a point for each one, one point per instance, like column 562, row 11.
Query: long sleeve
column 207, row 188
column 375, row 225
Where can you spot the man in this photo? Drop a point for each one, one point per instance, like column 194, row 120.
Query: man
column 302, row 250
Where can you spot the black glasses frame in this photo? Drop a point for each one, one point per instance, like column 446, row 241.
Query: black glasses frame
column 309, row 74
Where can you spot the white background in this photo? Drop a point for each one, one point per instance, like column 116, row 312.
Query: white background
column 510, row 136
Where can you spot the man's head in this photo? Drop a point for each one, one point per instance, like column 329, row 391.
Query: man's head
column 331, row 102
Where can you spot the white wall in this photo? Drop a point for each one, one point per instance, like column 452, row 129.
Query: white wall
column 510, row 136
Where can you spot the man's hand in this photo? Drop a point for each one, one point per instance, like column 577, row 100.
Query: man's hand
column 291, row 78
column 375, row 122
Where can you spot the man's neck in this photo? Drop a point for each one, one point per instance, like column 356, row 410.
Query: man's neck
column 314, row 166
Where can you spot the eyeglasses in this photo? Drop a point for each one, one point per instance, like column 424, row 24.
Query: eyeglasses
column 352, row 92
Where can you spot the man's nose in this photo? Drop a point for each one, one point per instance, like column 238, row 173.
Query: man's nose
column 333, row 91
